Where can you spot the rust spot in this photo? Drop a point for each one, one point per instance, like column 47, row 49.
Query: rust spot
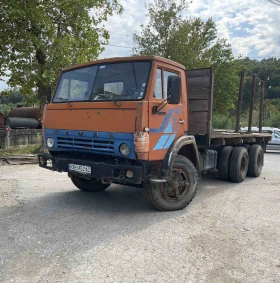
column 141, row 145
column 143, row 156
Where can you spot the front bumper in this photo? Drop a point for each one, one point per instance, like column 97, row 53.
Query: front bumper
column 100, row 170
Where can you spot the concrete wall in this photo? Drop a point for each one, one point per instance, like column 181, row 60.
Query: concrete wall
column 2, row 138
column 19, row 138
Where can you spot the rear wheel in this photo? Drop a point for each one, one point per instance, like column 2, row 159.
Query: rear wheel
column 223, row 162
column 93, row 185
column 245, row 145
column 255, row 161
column 179, row 193
column 238, row 165
column 264, row 145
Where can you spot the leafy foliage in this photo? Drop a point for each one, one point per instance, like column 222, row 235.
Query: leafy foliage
column 222, row 121
column 10, row 99
column 271, row 114
column 11, row 96
column 32, row 149
column 191, row 42
column 38, row 38
column 6, row 108
column 267, row 70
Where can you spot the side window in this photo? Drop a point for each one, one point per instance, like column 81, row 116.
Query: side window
column 158, row 85
column 277, row 134
column 166, row 75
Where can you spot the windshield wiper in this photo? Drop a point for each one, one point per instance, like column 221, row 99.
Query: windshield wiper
column 111, row 98
column 65, row 99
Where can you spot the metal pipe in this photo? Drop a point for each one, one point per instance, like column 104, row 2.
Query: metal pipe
column 239, row 105
column 26, row 112
column 252, row 103
column 261, row 107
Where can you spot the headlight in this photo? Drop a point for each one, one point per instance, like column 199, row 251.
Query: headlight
column 124, row 149
column 50, row 142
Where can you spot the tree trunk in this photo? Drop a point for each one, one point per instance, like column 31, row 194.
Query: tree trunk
column 42, row 89
column 42, row 92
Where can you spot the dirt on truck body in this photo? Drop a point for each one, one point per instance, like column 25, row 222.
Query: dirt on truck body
column 142, row 121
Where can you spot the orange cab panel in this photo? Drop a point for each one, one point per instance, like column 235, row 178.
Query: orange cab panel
column 94, row 117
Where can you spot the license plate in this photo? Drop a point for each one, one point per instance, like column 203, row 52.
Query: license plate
column 83, row 169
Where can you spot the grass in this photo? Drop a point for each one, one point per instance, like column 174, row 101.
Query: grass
column 33, row 149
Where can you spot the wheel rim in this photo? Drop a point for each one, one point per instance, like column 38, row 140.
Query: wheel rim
column 179, row 189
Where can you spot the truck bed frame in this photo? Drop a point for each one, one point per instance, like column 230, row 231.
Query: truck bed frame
column 200, row 102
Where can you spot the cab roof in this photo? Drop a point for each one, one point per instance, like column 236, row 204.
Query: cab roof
column 123, row 59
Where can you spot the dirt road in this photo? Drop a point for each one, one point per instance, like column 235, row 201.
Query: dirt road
column 51, row 232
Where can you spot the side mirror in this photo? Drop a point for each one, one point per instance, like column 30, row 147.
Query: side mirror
column 49, row 94
column 174, row 89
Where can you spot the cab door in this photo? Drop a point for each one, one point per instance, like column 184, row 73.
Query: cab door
column 170, row 121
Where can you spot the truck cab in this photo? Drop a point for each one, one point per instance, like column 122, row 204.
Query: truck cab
column 127, row 121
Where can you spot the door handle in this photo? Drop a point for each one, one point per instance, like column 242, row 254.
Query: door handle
column 181, row 121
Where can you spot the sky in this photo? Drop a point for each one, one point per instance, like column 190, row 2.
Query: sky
column 252, row 27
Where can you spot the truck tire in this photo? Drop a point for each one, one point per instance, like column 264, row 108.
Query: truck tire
column 255, row 161
column 164, row 197
column 238, row 165
column 245, row 145
column 88, row 185
column 223, row 162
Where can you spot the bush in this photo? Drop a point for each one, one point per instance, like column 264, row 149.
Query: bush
column 225, row 122
column 6, row 108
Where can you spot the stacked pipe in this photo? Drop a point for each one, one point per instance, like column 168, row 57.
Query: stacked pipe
column 24, row 117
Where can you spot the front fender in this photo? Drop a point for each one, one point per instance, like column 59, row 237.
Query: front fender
column 173, row 150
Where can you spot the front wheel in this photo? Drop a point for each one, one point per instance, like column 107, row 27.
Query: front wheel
column 179, row 193
column 93, row 185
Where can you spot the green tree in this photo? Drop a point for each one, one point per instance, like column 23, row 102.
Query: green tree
column 38, row 38
column 191, row 42
column 11, row 96
column 267, row 70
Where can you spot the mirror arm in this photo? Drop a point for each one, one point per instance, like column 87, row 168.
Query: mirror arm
column 156, row 109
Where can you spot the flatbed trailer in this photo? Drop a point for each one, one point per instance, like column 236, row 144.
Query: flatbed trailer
column 200, row 98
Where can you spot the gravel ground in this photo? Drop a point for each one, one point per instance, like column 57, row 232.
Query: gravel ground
column 51, row 232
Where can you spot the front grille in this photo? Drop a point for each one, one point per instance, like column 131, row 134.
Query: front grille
column 95, row 145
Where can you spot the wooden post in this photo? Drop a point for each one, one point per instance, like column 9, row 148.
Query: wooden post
column 252, row 104
column 240, row 96
column 261, row 107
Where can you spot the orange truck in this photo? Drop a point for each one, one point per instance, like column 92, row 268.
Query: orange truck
column 142, row 121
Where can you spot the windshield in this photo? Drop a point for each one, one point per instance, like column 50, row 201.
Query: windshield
column 111, row 81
